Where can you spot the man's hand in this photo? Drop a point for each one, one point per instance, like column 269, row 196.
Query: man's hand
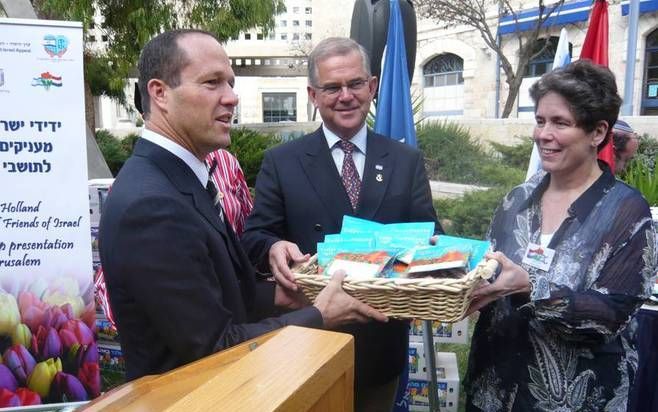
column 512, row 279
column 289, row 299
column 281, row 255
column 338, row 308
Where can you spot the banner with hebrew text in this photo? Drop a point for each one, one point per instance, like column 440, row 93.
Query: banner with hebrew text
column 48, row 348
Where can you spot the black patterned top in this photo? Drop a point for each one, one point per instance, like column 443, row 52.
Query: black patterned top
column 566, row 345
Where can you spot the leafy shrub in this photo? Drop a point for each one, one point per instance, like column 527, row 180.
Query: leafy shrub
column 498, row 173
column 639, row 175
column 466, row 160
column 112, row 149
column 647, row 152
column 451, row 154
column 249, row 147
column 115, row 151
column 128, row 142
column 517, row 156
column 470, row 215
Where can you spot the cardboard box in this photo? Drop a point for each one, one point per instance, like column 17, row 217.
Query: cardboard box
column 418, row 363
column 106, row 332
column 416, row 360
column 98, row 189
column 95, row 252
column 447, row 382
column 442, row 332
column 110, row 357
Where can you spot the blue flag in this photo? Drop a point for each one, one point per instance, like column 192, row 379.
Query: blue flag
column 394, row 116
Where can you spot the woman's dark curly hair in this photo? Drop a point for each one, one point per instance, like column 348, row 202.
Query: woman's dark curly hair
column 590, row 89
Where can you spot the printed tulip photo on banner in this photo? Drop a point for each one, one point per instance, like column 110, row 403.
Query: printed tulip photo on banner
column 48, row 350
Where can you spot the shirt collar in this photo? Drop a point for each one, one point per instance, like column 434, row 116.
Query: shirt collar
column 582, row 206
column 359, row 139
column 198, row 167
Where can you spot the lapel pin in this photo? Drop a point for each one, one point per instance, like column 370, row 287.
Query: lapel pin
column 379, row 167
column 379, row 177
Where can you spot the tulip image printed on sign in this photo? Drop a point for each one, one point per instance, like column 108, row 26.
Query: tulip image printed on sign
column 48, row 352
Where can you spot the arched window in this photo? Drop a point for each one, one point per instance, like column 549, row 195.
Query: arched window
column 650, row 89
column 444, row 70
column 543, row 62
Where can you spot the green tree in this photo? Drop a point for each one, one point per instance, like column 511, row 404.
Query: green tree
column 129, row 24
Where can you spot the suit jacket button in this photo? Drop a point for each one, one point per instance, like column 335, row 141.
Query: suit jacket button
column 318, row 227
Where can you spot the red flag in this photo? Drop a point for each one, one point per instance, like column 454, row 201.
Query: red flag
column 595, row 48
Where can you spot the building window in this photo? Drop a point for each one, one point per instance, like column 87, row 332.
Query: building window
column 543, row 60
column 259, row 36
column 295, row 23
column 309, row 23
column 92, row 38
column 284, row 36
column 295, row 9
column 650, row 84
column 444, row 70
column 279, row 107
column 104, row 37
column 308, row 36
column 247, row 36
column 295, row 36
column 283, row 23
column 308, row 10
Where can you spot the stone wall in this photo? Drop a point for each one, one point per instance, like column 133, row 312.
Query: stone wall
column 508, row 131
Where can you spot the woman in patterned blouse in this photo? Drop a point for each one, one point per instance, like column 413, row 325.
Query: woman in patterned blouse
column 577, row 253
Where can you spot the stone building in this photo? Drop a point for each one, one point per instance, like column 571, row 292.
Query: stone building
column 456, row 73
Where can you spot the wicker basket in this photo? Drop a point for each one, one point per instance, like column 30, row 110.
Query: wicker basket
column 442, row 299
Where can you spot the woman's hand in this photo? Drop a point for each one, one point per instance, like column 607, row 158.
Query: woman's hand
column 512, row 279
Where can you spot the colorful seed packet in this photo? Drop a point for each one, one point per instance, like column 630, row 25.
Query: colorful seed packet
column 366, row 249
column 360, row 265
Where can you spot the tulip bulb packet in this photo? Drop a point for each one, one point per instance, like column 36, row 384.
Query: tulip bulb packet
column 359, row 266
column 343, row 243
column 366, row 249
column 434, row 261
column 450, row 257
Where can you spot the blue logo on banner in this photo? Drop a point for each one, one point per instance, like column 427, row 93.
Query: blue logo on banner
column 55, row 45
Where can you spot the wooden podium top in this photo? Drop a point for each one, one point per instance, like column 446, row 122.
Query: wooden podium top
column 292, row 369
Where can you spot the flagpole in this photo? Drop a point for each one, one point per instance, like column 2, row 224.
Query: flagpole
column 631, row 50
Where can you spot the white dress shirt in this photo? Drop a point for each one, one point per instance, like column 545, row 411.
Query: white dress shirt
column 358, row 155
column 198, row 167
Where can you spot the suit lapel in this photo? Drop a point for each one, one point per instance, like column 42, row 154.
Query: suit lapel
column 187, row 183
column 182, row 177
column 319, row 166
column 377, row 174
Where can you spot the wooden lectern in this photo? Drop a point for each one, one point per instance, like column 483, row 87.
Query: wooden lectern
column 293, row 369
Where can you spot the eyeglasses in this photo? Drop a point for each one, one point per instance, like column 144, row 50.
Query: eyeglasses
column 354, row 86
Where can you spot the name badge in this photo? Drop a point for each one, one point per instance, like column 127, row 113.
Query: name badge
column 538, row 256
